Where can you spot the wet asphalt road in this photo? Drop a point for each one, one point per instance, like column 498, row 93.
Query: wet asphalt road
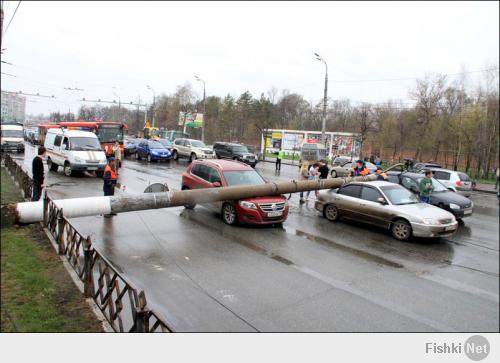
column 309, row 275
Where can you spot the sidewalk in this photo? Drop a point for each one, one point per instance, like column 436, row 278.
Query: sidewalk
column 486, row 188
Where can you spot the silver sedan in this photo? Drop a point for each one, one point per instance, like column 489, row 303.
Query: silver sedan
column 389, row 206
column 341, row 171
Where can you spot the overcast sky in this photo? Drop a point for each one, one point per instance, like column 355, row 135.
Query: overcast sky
column 239, row 46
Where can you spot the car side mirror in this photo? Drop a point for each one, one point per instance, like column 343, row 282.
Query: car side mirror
column 216, row 184
column 382, row 201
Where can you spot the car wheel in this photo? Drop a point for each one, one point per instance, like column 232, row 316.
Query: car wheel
column 331, row 213
column 51, row 165
column 217, row 156
column 137, row 156
column 149, row 158
column 229, row 214
column 67, row 169
column 333, row 174
column 175, row 155
column 401, row 230
column 192, row 157
column 188, row 206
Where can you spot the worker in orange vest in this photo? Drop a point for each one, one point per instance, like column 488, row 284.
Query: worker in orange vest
column 110, row 179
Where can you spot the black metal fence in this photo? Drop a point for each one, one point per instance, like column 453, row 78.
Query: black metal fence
column 123, row 306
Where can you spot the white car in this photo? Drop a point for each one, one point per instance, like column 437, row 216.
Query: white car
column 12, row 137
column 74, row 151
column 191, row 149
column 454, row 180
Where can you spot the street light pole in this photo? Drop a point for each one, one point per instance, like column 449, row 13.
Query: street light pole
column 325, row 98
column 204, row 109
column 154, row 105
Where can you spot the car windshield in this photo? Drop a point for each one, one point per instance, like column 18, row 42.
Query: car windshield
column 155, row 145
column 438, row 187
column 246, row 177
column 12, row 133
column 399, row 195
column 196, row 143
column 165, row 143
column 110, row 134
column 240, row 149
column 85, row 144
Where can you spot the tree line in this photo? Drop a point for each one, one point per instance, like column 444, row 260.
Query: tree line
column 448, row 121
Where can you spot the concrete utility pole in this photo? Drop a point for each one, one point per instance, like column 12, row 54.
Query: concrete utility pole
column 32, row 212
column 325, row 98
column 154, row 105
column 204, row 109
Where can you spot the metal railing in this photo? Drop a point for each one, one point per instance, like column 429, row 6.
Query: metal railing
column 113, row 294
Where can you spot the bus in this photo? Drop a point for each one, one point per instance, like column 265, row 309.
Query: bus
column 108, row 132
column 172, row 135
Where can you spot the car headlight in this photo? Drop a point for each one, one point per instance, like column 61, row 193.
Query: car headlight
column 431, row 221
column 248, row 205
column 454, row 206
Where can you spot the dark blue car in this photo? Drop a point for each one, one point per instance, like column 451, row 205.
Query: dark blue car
column 152, row 150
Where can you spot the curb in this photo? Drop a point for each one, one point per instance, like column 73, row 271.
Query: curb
column 485, row 191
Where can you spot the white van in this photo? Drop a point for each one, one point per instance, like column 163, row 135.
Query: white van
column 12, row 137
column 74, row 151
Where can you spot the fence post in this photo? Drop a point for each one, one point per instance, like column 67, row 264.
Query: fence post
column 45, row 209
column 88, row 276
column 60, row 232
column 141, row 315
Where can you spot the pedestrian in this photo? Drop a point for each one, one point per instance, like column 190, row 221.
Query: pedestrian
column 323, row 169
column 498, row 177
column 304, row 175
column 117, row 152
column 380, row 174
column 359, row 170
column 426, row 187
column 110, row 180
column 280, row 155
column 38, row 174
column 378, row 161
column 313, row 175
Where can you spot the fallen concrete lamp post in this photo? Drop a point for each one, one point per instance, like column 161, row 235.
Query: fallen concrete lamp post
column 32, row 212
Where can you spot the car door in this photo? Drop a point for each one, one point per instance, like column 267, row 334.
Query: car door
column 348, row 200
column 444, row 177
column 371, row 210
column 184, row 148
column 58, row 156
column 65, row 147
column 214, row 176
column 344, row 170
column 410, row 184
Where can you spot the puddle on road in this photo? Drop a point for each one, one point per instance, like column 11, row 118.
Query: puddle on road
column 350, row 250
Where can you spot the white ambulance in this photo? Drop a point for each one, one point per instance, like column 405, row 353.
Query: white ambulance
column 75, row 151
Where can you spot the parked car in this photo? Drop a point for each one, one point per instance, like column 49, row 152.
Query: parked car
column 131, row 146
column 192, row 149
column 341, row 160
column 12, row 137
column 418, row 167
column 343, row 170
column 386, row 205
column 227, row 150
column 455, row 181
column 166, row 143
column 441, row 197
column 152, row 150
column 216, row 173
column 75, row 151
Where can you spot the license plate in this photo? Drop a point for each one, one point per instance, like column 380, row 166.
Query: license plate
column 274, row 214
column 91, row 168
column 468, row 212
column 449, row 228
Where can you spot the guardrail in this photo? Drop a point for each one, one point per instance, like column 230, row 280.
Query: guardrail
column 112, row 293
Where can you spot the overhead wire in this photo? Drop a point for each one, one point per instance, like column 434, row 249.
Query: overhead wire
column 12, row 18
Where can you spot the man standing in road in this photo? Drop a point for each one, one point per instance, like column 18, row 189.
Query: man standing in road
column 117, row 153
column 426, row 187
column 359, row 170
column 380, row 174
column 280, row 155
column 38, row 174
column 323, row 169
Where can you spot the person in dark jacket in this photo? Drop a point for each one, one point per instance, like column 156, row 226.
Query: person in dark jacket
column 38, row 174
column 323, row 169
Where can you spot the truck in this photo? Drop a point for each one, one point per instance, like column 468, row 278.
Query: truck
column 312, row 152
column 12, row 137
